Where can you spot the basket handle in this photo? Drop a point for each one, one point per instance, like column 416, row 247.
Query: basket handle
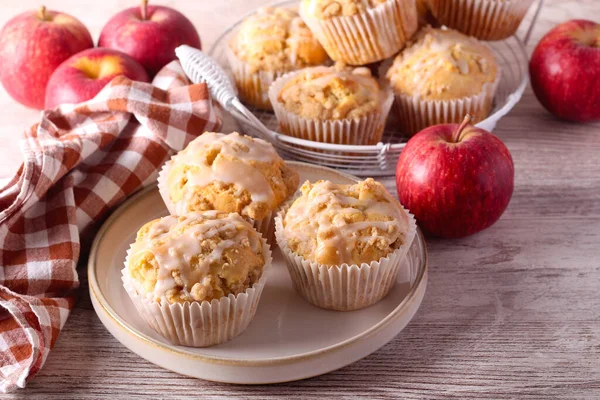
column 533, row 22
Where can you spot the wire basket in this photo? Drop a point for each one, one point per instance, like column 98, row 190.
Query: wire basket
column 381, row 159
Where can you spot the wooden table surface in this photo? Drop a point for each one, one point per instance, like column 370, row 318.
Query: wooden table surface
column 513, row 312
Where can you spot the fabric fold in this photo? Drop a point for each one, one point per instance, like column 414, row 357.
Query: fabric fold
column 79, row 162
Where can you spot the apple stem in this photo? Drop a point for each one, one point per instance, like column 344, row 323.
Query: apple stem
column 42, row 13
column 144, row 8
column 461, row 127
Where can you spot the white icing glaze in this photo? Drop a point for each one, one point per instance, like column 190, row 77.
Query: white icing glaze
column 173, row 251
column 232, row 166
column 325, row 208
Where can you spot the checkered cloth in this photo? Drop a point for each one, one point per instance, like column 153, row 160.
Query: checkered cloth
column 79, row 162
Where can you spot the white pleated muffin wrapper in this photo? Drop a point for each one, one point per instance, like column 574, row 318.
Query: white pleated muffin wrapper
column 483, row 19
column 366, row 130
column 265, row 226
column 345, row 287
column 252, row 85
column 415, row 114
column 367, row 37
column 199, row 324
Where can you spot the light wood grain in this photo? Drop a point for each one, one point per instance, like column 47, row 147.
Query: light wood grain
column 513, row 312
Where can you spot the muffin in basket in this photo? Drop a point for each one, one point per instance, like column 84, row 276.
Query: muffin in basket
column 229, row 173
column 197, row 279
column 483, row 19
column 344, row 244
column 442, row 76
column 338, row 104
column 359, row 32
column 268, row 44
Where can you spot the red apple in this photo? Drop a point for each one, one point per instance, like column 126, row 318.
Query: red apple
column 565, row 71
column 150, row 34
column 82, row 76
column 455, row 179
column 32, row 45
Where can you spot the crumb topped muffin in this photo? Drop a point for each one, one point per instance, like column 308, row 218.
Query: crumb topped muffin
column 331, row 93
column 335, row 8
column 359, row 32
column 276, row 39
column 197, row 279
column 441, row 76
column 268, row 44
column 230, row 173
column 344, row 243
column 338, row 104
column 443, row 64
column 198, row 257
column 335, row 224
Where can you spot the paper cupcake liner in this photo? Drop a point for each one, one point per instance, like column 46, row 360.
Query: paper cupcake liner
column 252, row 85
column 415, row 114
column 367, row 130
column 345, row 287
column 198, row 324
column 265, row 226
column 368, row 37
column 485, row 20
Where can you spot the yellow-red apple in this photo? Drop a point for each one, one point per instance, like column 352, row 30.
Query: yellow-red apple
column 32, row 46
column 150, row 34
column 83, row 75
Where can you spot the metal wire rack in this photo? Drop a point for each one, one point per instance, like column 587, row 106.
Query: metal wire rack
column 381, row 159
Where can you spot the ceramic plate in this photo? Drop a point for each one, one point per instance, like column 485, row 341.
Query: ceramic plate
column 289, row 339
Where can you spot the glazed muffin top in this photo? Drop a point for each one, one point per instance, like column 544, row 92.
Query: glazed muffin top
column 334, row 224
column 443, row 64
column 201, row 256
column 331, row 93
column 277, row 40
column 230, row 173
column 324, row 9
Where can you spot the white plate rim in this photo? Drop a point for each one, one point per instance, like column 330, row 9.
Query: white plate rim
column 99, row 298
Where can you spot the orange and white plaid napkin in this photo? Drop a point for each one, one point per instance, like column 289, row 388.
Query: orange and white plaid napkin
column 79, row 162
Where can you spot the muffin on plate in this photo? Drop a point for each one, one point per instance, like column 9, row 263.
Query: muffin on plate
column 268, row 44
column 338, row 104
column 344, row 244
column 442, row 76
column 483, row 19
column 197, row 279
column 229, row 173
column 359, row 32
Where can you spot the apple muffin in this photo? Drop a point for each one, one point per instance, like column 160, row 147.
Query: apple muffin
column 268, row 44
column 355, row 233
column 483, row 19
column 229, row 173
column 338, row 104
column 441, row 76
column 359, row 32
column 179, row 262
